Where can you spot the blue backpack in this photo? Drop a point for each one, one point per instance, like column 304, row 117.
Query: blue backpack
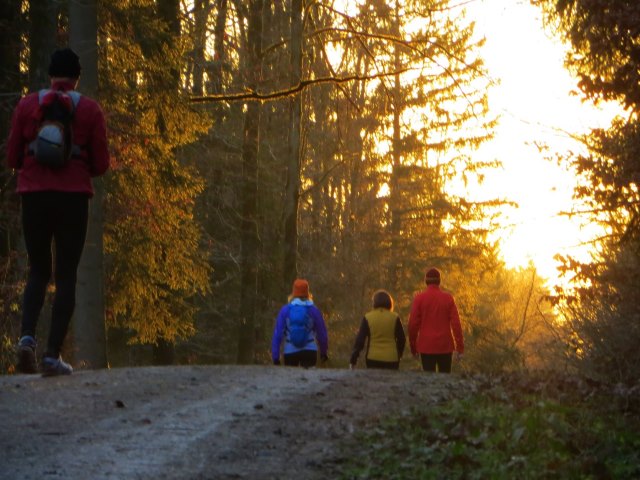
column 299, row 325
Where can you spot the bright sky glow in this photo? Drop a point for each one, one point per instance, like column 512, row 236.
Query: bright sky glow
column 535, row 105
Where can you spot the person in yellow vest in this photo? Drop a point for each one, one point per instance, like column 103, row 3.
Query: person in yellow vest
column 382, row 333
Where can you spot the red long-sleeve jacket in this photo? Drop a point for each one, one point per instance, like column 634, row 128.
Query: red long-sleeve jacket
column 89, row 132
column 434, row 323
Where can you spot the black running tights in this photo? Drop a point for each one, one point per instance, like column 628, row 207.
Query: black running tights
column 303, row 358
column 58, row 218
column 440, row 360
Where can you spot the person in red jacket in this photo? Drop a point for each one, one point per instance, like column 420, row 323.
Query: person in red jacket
column 55, row 206
column 434, row 326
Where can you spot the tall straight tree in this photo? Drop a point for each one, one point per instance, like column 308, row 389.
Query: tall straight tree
column 395, row 218
column 43, row 15
column 89, row 322
column 169, row 13
column 200, row 13
column 10, row 84
column 248, row 231
column 293, row 160
column 219, row 156
column 10, row 50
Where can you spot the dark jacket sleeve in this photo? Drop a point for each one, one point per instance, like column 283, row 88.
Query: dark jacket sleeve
column 415, row 321
column 401, row 339
column 363, row 334
column 321, row 331
column 278, row 333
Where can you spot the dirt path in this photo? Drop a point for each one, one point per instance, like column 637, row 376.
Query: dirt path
column 214, row 422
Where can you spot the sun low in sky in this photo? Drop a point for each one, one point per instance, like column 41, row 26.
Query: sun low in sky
column 537, row 108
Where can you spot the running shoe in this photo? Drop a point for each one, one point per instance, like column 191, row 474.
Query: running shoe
column 27, row 355
column 52, row 367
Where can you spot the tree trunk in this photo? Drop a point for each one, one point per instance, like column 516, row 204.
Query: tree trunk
column 42, row 41
column 89, row 322
column 394, row 183
column 10, row 49
column 219, row 55
column 290, row 268
column 249, row 232
column 163, row 352
column 169, row 12
column 201, row 14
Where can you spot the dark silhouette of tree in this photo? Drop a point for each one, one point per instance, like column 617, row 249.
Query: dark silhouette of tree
column 249, row 229
column 602, row 311
column 290, row 253
column 12, row 24
column 89, row 325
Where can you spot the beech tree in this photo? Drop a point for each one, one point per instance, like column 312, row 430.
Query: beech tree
column 155, row 263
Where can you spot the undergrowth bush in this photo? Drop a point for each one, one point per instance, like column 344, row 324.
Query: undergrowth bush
column 503, row 434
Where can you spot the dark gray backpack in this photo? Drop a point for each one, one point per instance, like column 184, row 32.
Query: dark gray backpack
column 53, row 145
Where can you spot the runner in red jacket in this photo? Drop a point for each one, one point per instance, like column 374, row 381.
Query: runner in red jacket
column 55, row 206
column 434, row 326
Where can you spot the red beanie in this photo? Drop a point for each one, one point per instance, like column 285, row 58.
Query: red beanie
column 300, row 288
column 432, row 276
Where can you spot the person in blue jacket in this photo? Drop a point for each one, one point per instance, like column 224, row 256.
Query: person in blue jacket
column 302, row 329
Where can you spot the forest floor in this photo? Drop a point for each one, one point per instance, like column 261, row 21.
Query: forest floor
column 204, row 422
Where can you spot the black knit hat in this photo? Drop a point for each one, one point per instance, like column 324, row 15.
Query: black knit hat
column 65, row 64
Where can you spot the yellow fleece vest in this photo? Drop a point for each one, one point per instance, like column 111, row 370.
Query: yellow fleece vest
column 382, row 335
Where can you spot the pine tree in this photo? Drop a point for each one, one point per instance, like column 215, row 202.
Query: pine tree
column 397, row 142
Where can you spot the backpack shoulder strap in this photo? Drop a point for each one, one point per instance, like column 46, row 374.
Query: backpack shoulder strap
column 42, row 93
column 75, row 97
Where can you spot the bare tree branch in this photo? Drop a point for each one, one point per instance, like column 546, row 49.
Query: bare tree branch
column 251, row 95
